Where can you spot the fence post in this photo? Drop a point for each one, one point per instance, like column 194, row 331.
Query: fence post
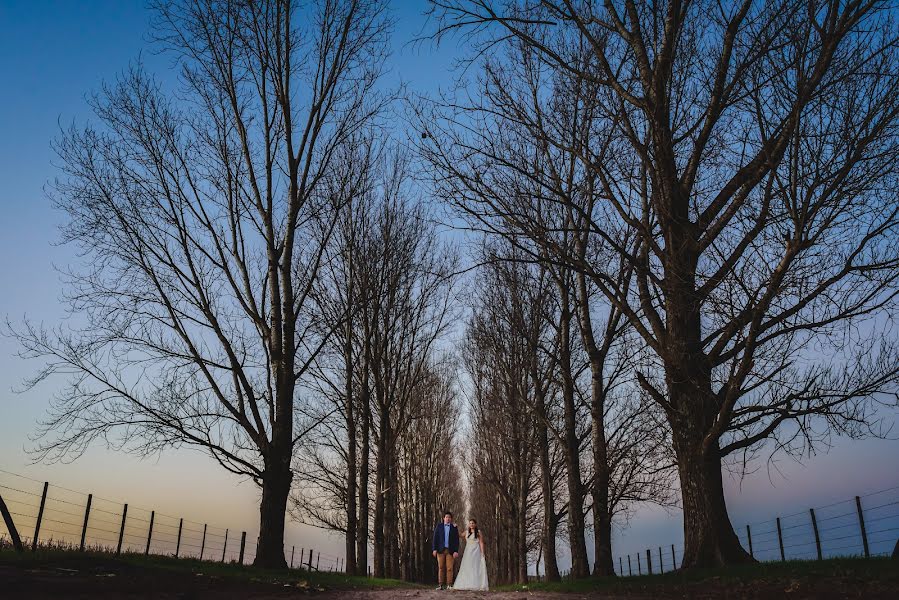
column 225, row 545
column 620, row 567
column 302, row 554
column 661, row 562
column 87, row 513
column 40, row 515
column 630, row 570
column 817, row 537
column 292, row 550
column 118, row 549
column 861, row 522
column 749, row 538
column 648, row 561
column 780, row 540
column 639, row 566
column 243, row 541
column 178, row 545
column 309, row 568
column 318, row 560
column 11, row 527
column 203, row 543
column 369, row 570
column 673, row 559
column 150, row 532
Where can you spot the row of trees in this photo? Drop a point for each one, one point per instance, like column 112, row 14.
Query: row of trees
column 688, row 255
column 383, row 394
column 722, row 177
column 562, row 439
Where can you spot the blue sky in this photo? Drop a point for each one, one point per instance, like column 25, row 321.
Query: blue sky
column 52, row 55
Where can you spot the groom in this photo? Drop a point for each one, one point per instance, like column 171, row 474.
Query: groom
column 445, row 547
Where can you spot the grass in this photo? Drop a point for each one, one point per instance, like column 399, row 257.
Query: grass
column 879, row 569
column 63, row 557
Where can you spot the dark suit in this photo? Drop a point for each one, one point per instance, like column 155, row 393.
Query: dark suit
column 439, row 543
column 445, row 548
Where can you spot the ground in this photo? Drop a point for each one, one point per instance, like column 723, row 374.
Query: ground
column 87, row 575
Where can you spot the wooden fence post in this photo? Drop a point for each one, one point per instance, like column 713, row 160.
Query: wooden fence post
column 150, row 532
column 292, row 550
column 203, row 543
column 11, row 527
column 630, row 570
column 178, row 545
column 661, row 562
column 310, row 561
column 861, row 522
column 243, row 541
column 780, row 540
column 318, row 560
column 639, row 565
column 817, row 537
column 648, row 561
column 40, row 515
column 118, row 549
column 87, row 513
column 225, row 545
column 749, row 538
column 673, row 558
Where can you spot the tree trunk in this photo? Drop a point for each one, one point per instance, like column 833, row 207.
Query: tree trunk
column 351, row 471
column 580, row 566
column 276, row 482
column 602, row 516
column 381, row 485
column 549, row 510
column 364, row 458
column 709, row 537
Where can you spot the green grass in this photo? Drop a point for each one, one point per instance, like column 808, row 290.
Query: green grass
column 64, row 558
column 880, row 569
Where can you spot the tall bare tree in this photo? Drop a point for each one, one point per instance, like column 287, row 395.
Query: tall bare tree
column 745, row 156
column 203, row 222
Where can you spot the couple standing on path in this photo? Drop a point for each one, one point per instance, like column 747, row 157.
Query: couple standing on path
column 445, row 547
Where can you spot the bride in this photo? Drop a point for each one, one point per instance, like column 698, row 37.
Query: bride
column 473, row 572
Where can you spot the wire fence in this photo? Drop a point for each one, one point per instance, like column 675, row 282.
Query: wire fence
column 51, row 515
column 866, row 525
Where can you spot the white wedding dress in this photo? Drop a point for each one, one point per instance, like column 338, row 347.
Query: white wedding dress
column 473, row 571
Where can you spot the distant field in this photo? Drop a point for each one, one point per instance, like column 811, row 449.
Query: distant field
column 62, row 574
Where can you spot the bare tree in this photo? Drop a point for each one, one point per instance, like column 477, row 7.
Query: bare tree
column 203, row 222
column 745, row 161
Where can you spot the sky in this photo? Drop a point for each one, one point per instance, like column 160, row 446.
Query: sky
column 52, row 56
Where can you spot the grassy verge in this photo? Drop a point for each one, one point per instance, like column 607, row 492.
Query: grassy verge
column 92, row 561
column 883, row 570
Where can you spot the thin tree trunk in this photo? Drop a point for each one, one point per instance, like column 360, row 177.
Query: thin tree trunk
column 351, row 525
column 549, row 510
column 580, row 567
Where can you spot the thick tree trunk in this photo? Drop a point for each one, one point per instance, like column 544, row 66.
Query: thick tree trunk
column 709, row 537
column 276, row 482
